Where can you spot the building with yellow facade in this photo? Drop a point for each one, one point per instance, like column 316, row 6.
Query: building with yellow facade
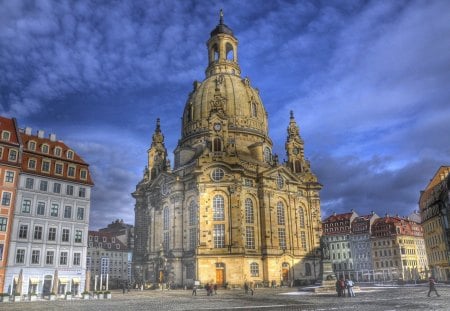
column 434, row 206
column 227, row 212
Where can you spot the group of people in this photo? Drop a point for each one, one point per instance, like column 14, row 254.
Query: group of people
column 342, row 285
column 210, row 289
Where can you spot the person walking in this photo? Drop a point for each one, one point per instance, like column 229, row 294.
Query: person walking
column 246, row 288
column 194, row 290
column 342, row 287
column 432, row 286
column 349, row 284
column 215, row 289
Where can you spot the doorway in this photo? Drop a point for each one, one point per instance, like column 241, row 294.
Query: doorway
column 220, row 274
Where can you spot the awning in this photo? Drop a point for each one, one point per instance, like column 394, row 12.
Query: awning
column 63, row 280
column 76, row 280
column 34, row 281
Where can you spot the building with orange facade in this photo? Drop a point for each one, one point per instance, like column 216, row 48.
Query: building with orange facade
column 10, row 157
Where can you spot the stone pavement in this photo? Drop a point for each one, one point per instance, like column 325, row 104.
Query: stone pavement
column 281, row 299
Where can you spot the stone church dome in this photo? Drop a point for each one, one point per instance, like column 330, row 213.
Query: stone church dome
column 224, row 97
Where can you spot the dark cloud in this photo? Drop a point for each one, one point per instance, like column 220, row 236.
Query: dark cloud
column 367, row 80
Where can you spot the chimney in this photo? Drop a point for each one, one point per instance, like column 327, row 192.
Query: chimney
column 52, row 137
column 28, row 130
column 40, row 133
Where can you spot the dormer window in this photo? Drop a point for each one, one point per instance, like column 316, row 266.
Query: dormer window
column 70, row 154
column 32, row 145
column 44, row 148
column 6, row 135
column 57, row 151
column 83, row 174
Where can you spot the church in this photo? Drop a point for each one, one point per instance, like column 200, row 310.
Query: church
column 227, row 212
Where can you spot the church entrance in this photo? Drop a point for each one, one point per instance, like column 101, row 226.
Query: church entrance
column 220, row 274
column 285, row 272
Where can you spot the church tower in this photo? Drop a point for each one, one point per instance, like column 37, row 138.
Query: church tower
column 228, row 212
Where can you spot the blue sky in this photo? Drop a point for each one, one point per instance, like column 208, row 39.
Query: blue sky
column 368, row 82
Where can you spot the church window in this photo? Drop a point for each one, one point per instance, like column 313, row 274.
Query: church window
column 280, row 181
column 218, row 208
column 303, row 240
column 282, row 238
column 219, row 235
column 248, row 211
column 166, row 240
column 250, row 237
column 166, row 218
column 253, row 108
column 267, row 155
column 192, row 238
column 217, row 174
column 301, row 216
column 217, row 145
column 192, row 213
column 254, row 269
column 280, row 213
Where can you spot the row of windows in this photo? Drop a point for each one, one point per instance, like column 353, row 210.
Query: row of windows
column 58, row 168
column 12, row 154
column 45, row 148
column 49, row 258
column 54, row 210
column 108, row 245
column 44, row 186
column 51, row 234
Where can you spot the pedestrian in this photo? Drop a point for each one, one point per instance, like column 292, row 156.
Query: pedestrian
column 246, row 288
column 349, row 284
column 342, row 287
column 432, row 285
column 338, row 288
column 215, row 289
column 194, row 290
column 123, row 289
column 251, row 289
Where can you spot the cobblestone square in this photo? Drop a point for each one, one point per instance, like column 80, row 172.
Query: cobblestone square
column 284, row 299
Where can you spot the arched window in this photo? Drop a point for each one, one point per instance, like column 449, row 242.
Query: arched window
column 192, row 213
column 307, row 269
column 253, row 110
column 217, row 145
column 254, row 269
column 248, row 211
column 166, row 220
column 267, row 155
column 280, row 213
column 218, row 208
column 229, row 51
column 215, row 53
column 301, row 217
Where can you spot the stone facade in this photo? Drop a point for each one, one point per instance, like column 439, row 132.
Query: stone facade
column 434, row 206
column 228, row 212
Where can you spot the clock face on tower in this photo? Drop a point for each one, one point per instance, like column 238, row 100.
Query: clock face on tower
column 217, row 126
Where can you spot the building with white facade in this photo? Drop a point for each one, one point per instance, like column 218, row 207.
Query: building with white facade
column 108, row 260
column 48, row 245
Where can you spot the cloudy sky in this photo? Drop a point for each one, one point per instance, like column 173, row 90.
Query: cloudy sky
column 368, row 81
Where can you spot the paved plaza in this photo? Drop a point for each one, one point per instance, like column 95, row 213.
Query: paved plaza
column 284, row 299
